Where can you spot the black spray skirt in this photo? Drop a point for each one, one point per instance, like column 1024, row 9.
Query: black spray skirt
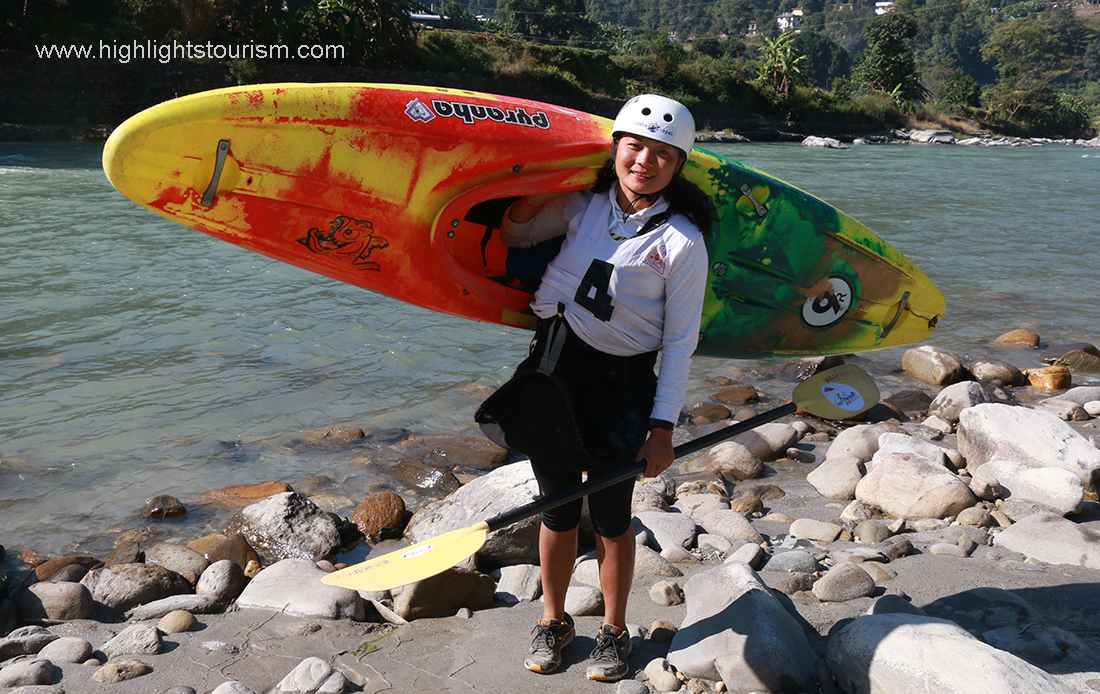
column 586, row 410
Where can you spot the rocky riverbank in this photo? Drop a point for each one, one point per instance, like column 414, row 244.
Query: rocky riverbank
column 942, row 137
column 948, row 542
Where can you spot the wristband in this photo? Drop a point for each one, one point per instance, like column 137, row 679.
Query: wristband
column 661, row 424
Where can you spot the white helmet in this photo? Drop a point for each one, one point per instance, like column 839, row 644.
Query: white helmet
column 658, row 118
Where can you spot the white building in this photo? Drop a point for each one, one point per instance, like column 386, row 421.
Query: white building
column 790, row 21
column 884, row 7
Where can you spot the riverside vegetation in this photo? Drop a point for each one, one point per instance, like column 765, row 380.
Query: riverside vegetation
column 1028, row 68
column 947, row 543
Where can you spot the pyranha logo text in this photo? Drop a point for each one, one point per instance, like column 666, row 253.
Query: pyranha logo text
column 471, row 113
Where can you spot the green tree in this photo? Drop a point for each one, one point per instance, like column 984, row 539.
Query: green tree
column 550, row 21
column 1029, row 61
column 781, row 66
column 375, row 33
column 707, row 45
column 887, row 64
column 826, row 60
column 455, row 16
column 960, row 92
column 1091, row 61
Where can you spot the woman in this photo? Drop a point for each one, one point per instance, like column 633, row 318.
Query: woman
column 628, row 281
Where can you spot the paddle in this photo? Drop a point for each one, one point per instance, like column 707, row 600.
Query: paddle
column 837, row 393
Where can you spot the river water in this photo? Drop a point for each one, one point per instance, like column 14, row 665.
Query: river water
column 138, row 357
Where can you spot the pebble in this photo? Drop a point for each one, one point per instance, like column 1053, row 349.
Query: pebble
column 666, row 593
column 872, row 532
column 815, row 530
column 113, row 673
column 67, row 649
column 177, row 622
column 24, row 673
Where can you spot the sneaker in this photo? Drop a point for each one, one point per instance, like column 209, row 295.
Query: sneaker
column 550, row 637
column 609, row 655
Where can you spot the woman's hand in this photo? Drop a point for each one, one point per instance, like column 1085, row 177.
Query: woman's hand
column 657, row 451
column 525, row 209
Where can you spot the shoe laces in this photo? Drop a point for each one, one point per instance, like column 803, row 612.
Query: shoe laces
column 607, row 648
column 544, row 637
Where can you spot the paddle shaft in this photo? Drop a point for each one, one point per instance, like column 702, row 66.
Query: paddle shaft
column 574, row 493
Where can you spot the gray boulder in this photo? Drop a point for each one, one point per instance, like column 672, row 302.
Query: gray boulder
column 27, row 673
column 955, row 398
column 667, row 529
column 837, row 477
column 730, row 459
column 519, row 583
column 1065, row 410
column 54, row 601
column 818, row 531
column 932, row 137
column 286, row 526
column 67, row 649
column 907, row 444
column 195, row 604
column 997, row 371
column 1055, row 487
column 179, row 558
column 293, row 586
column 1051, row 538
column 137, row 639
column 223, row 580
column 736, row 631
column 1029, row 437
column 1007, row 621
column 845, row 581
column 1082, row 395
column 860, row 442
column 444, row 594
column 649, row 563
column 823, row 142
column 923, row 655
column 699, row 505
column 502, row 490
column 584, row 601
column 124, row 586
column 313, row 676
column 793, row 561
column 25, row 641
column 769, row 441
column 910, row 487
column 933, row 365
column 731, row 525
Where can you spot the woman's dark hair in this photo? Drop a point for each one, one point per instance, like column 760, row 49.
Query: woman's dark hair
column 683, row 196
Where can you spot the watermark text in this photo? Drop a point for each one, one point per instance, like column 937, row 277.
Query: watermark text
column 188, row 50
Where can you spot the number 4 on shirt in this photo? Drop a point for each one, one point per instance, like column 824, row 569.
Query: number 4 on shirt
column 594, row 294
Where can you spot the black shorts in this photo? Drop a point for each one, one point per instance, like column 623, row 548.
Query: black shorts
column 609, row 507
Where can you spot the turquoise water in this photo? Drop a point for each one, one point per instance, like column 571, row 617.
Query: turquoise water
column 138, row 357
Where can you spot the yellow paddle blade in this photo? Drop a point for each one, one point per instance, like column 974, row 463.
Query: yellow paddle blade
column 838, row 393
column 413, row 563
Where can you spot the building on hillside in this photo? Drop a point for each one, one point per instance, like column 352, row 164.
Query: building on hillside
column 791, row 21
column 425, row 20
column 884, row 7
column 752, row 29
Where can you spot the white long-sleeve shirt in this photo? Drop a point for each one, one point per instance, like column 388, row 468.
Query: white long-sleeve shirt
column 623, row 295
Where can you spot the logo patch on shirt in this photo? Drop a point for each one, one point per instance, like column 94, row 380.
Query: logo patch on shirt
column 657, row 260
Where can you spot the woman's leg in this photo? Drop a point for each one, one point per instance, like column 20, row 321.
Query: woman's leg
column 557, row 553
column 615, row 556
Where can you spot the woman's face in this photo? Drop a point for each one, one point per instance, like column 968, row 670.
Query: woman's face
column 644, row 166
